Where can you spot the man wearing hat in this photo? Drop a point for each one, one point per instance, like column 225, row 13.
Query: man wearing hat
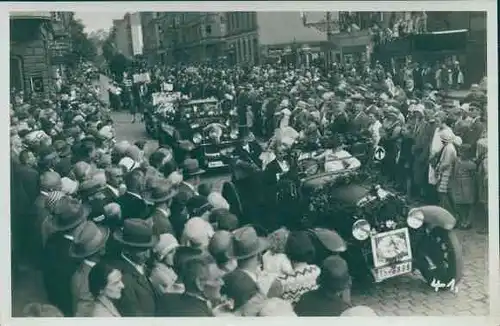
column 48, row 158
column 248, row 249
column 58, row 266
column 220, row 247
column 63, row 167
column 332, row 297
column 161, row 196
column 93, row 194
column 245, row 173
column 88, row 247
column 132, row 203
column 138, row 297
column 191, row 177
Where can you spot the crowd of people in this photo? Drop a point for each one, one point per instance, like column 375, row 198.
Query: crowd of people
column 118, row 231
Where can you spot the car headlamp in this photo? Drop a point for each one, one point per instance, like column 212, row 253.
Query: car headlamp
column 415, row 218
column 215, row 132
column 197, row 138
column 234, row 134
column 361, row 230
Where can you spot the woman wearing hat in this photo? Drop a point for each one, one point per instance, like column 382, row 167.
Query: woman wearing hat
column 444, row 166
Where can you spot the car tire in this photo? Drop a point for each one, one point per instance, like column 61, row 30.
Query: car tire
column 445, row 244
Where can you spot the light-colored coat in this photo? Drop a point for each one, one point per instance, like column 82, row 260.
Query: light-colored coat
column 82, row 298
column 104, row 309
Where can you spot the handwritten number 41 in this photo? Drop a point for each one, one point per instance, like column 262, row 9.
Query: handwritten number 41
column 452, row 286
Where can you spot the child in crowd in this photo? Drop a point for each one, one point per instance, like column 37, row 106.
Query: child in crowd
column 462, row 186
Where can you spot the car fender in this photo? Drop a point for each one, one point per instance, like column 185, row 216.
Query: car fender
column 330, row 239
column 436, row 216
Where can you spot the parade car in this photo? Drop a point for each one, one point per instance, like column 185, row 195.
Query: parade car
column 208, row 126
column 384, row 237
column 160, row 111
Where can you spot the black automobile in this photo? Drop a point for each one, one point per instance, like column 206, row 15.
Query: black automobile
column 384, row 237
column 209, row 127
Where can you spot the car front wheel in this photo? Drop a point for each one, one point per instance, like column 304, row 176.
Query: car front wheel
column 439, row 258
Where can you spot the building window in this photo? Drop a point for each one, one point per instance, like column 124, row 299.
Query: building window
column 256, row 50
column 208, row 30
column 250, row 50
column 237, row 14
column 244, row 21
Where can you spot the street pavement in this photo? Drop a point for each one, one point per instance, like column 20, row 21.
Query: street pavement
column 402, row 296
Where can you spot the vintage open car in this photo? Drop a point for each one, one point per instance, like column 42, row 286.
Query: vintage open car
column 384, row 237
column 208, row 125
column 160, row 112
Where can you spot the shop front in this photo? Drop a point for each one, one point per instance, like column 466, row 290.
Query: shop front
column 30, row 53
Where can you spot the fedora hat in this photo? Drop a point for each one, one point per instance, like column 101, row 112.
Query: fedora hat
column 136, row 233
column 161, row 192
column 191, row 167
column 246, row 243
column 68, row 214
column 88, row 240
column 91, row 186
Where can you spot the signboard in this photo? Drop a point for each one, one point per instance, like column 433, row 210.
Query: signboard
column 379, row 153
column 142, row 78
column 159, row 98
column 167, row 87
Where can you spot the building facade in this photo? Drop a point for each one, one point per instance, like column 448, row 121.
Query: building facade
column 474, row 59
column 31, row 34
column 61, row 44
column 122, row 39
column 254, row 37
column 151, row 36
column 134, row 23
column 128, row 36
column 196, row 36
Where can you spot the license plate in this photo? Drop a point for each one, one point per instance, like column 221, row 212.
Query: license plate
column 386, row 272
column 215, row 164
column 390, row 248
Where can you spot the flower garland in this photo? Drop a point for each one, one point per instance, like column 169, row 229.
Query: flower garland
column 323, row 204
